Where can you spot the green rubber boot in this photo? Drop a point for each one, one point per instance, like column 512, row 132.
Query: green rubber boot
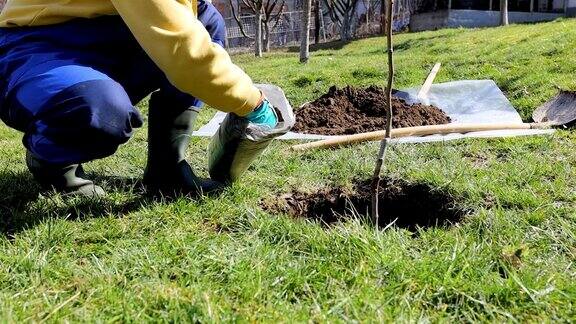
column 67, row 179
column 167, row 171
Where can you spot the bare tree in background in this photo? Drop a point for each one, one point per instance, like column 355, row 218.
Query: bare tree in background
column 317, row 16
column 305, row 32
column 342, row 13
column 383, row 17
column 273, row 10
column 504, row 12
column 410, row 6
column 267, row 14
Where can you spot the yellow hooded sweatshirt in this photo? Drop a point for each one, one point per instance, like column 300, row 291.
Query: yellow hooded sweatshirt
column 171, row 35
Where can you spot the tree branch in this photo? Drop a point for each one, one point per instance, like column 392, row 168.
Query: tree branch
column 239, row 22
column 269, row 8
column 251, row 5
column 279, row 15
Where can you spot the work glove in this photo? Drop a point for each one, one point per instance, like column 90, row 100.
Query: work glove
column 240, row 140
column 264, row 115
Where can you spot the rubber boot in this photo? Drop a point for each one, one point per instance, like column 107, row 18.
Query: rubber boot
column 167, row 171
column 67, row 179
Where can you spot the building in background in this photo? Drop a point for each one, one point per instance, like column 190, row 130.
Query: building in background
column 435, row 14
column 557, row 6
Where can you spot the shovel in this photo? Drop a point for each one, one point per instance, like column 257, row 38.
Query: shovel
column 560, row 111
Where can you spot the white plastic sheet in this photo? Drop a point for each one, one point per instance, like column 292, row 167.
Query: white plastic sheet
column 471, row 101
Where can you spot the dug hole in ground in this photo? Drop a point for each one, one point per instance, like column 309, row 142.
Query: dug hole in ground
column 403, row 204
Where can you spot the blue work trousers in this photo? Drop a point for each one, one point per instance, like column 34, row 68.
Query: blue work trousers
column 72, row 87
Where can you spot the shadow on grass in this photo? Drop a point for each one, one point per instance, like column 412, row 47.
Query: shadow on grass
column 23, row 204
column 412, row 43
column 339, row 44
column 333, row 45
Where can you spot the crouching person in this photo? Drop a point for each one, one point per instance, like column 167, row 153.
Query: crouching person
column 71, row 72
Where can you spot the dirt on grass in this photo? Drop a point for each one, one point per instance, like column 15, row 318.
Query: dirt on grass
column 353, row 110
column 406, row 205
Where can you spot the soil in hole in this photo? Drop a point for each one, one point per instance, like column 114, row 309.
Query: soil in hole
column 353, row 110
column 408, row 205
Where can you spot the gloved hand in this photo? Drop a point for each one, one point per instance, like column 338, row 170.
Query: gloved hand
column 264, row 114
column 240, row 140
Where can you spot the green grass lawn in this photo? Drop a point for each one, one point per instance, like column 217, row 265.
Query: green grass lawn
column 129, row 258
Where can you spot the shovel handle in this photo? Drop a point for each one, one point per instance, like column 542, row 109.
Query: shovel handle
column 415, row 131
column 429, row 80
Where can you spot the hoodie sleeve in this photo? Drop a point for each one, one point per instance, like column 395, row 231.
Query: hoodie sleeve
column 172, row 35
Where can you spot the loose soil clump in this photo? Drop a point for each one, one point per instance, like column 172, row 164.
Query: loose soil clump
column 408, row 205
column 353, row 110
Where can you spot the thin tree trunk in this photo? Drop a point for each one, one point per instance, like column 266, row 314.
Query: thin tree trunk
column 305, row 31
column 322, row 22
column 317, row 26
column 267, row 37
column 504, row 12
column 258, row 36
column 383, row 17
column 367, row 14
column 384, row 144
column 345, row 30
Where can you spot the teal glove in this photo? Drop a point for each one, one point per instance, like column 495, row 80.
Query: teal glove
column 264, row 114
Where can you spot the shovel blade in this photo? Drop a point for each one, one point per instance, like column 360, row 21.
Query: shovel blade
column 560, row 110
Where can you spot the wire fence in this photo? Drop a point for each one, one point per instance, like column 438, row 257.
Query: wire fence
column 286, row 31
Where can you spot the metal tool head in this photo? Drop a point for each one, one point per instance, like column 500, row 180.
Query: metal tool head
column 560, row 110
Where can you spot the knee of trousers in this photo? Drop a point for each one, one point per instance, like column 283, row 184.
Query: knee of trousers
column 98, row 113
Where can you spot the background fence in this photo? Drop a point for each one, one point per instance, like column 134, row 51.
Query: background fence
column 287, row 30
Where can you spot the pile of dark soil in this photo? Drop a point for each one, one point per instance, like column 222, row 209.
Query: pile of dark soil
column 408, row 205
column 353, row 110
